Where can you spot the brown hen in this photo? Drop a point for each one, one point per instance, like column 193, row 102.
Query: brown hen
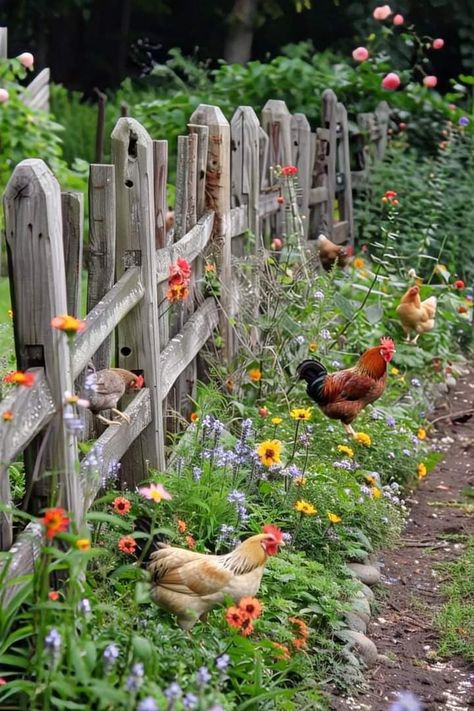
column 106, row 387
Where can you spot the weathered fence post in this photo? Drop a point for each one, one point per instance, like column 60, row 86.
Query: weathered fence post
column 344, row 180
column 245, row 165
column 101, row 266
column 138, row 342
column 301, row 157
column 73, row 230
column 33, row 224
column 3, row 42
column 202, row 133
column 382, row 114
column 218, row 199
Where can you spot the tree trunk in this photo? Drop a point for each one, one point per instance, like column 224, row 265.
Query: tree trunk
column 238, row 44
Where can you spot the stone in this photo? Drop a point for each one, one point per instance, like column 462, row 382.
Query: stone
column 367, row 574
column 367, row 592
column 451, row 382
column 364, row 646
column 383, row 659
column 360, row 605
column 355, row 623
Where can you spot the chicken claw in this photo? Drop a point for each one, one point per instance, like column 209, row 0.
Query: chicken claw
column 106, row 421
column 121, row 415
column 350, row 430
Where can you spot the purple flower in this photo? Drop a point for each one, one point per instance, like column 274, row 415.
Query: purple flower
column 463, row 121
column 376, row 415
column 305, row 440
column 236, row 497
column 406, row 702
column 364, row 489
column 111, row 654
column 246, row 429
column 190, row 701
column 52, row 642
column 415, row 382
column 343, row 464
column 203, row 676
column 72, row 422
column 173, row 691
column 135, row 679
column 287, row 537
column 325, row 335
column 197, row 471
column 84, row 607
column 147, row 704
column 222, row 662
column 293, row 471
column 406, row 452
column 390, row 421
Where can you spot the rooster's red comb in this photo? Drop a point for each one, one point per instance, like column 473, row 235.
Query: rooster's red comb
column 387, row 343
column 139, row 382
column 273, row 531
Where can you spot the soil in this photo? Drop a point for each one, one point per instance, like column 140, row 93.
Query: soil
column 440, row 518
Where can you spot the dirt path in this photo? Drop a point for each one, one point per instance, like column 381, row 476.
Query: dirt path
column 402, row 628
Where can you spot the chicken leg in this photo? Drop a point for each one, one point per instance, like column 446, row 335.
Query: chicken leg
column 349, row 429
column 121, row 415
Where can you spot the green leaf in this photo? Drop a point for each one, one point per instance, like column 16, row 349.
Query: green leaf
column 143, row 649
column 344, row 305
column 374, row 313
column 100, row 517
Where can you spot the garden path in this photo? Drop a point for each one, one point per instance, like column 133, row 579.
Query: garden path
column 441, row 517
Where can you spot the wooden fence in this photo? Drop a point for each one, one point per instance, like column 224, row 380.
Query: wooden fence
column 225, row 187
column 36, row 94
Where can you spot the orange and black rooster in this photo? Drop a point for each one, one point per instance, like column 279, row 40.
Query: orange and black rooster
column 342, row 395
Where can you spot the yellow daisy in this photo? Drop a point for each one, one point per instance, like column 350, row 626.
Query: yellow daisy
column 376, row 493
column 345, row 450
column 276, row 420
column 358, row 263
column 83, row 544
column 363, row 438
column 421, row 471
column 255, row 375
column 421, row 434
column 334, row 518
column 394, row 371
column 313, row 347
column 269, row 452
column 301, row 413
column 305, row 508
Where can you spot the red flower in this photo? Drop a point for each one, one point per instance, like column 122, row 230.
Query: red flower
column 55, row 521
column 289, row 170
column 18, row 377
column 235, row 617
column 180, row 272
column 190, row 542
column 246, row 627
column 121, row 505
column 390, row 194
column 462, row 310
column 127, row 545
column 459, row 284
column 280, row 200
column 251, row 607
column 53, row 595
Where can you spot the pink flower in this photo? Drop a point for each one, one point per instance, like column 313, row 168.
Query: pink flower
column 155, row 492
column 391, row 81
column 4, row 96
column 360, row 54
column 430, row 81
column 438, row 43
column 382, row 12
column 398, row 20
column 27, row 59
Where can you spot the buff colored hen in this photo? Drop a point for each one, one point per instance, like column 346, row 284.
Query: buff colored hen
column 190, row 584
column 416, row 316
column 107, row 387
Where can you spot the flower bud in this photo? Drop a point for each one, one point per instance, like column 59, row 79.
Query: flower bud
column 430, row 81
column 27, row 59
column 398, row 20
column 391, row 81
column 360, row 54
column 438, row 43
column 4, row 96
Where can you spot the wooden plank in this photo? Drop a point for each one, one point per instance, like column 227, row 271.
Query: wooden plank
column 382, row 115
column 341, row 232
column 36, row 94
column 238, row 221
column 191, row 178
column 185, row 346
column 32, row 409
column 181, row 188
column 218, row 199
column 276, row 121
column 188, row 247
column 318, row 195
column 72, row 205
column 101, row 267
column 344, row 167
column 3, row 42
column 138, row 336
column 301, row 158
column 106, row 315
column 160, row 176
column 268, row 204
column 22, row 557
column 36, row 266
column 203, row 140
column 263, row 158
column 245, row 132
column 113, row 444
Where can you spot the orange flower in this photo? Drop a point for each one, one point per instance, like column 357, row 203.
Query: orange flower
column 235, row 617
column 229, row 385
column 299, row 643
column 7, row 416
column 303, row 630
column 18, row 377
column 284, row 651
column 127, row 544
column 246, row 627
column 68, row 324
column 177, row 292
column 55, row 521
column 251, row 607
column 83, row 544
column 182, row 526
column 194, row 417
column 53, row 595
column 190, row 542
column 121, row 505
column 255, row 375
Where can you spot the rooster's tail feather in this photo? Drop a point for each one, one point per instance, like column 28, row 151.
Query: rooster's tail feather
column 315, row 374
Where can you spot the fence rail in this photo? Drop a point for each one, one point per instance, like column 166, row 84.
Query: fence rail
column 225, row 188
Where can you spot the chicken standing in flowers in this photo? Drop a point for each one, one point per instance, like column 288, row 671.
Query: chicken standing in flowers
column 331, row 254
column 190, row 584
column 416, row 316
column 106, row 387
column 342, row 395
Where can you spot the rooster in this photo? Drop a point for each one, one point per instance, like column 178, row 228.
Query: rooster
column 330, row 253
column 189, row 584
column 416, row 315
column 342, row 395
column 106, row 387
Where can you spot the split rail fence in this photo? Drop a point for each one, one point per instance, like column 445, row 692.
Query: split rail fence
column 225, row 187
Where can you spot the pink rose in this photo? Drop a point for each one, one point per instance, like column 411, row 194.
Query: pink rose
column 360, row 54
column 398, row 20
column 27, row 59
column 430, row 81
column 4, row 96
column 382, row 12
column 391, row 81
column 438, row 43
